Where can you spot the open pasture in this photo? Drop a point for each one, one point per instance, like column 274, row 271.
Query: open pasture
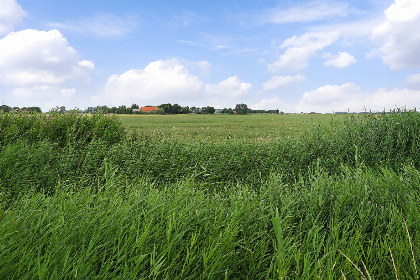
column 222, row 127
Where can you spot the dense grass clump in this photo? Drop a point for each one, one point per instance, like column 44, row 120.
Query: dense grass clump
column 63, row 129
column 377, row 140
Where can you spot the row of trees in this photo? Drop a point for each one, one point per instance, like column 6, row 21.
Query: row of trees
column 162, row 109
column 6, row 109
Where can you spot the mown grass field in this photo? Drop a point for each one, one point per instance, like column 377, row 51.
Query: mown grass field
column 210, row 197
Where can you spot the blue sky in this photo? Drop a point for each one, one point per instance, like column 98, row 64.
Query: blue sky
column 295, row 56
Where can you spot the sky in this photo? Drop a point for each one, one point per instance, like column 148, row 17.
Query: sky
column 296, row 56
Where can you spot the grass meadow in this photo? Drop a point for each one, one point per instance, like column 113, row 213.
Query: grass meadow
column 210, row 196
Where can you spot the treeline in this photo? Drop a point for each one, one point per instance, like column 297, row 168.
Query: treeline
column 7, row 109
column 163, row 109
column 168, row 108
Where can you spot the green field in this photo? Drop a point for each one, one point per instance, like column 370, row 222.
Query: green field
column 221, row 127
column 210, row 196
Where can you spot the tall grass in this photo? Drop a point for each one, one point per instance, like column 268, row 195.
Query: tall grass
column 340, row 201
column 62, row 129
column 319, row 227
column 388, row 140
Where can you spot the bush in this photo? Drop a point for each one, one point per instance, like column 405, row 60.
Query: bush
column 64, row 129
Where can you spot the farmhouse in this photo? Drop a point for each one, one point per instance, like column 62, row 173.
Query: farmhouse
column 148, row 109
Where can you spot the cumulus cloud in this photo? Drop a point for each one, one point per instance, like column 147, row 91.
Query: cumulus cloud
column 46, row 97
column 32, row 57
column 300, row 49
column 328, row 98
column 413, row 81
column 398, row 37
column 230, row 88
column 103, row 25
column 11, row 13
column 170, row 81
column 277, row 82
column 348, row 96
column 307, row 12
column 270, row 104
column 159, row 82
column 340, row 60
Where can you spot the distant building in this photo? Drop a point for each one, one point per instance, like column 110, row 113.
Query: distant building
column 217, row 111
column 148, row 109
column 195, row 111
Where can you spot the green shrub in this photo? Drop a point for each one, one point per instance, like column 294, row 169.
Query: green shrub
column 64, row 129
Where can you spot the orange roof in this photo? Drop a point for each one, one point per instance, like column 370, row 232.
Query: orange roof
column 147, row 109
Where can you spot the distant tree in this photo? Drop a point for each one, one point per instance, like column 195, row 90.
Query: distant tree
column 5, row 108
column 90, row 110
column 104, row 109
column 36, row 109
column 62, row 109
column 32, row 109
column 208, row 110
column 124, row 110
column 241, row 108
column 160, row 111
column 185, row 110
column 176, row 109
column 167, row 108
column 113, row 110
column 135, row 106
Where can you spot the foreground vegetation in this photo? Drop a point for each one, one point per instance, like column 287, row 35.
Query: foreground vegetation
column 337, row 200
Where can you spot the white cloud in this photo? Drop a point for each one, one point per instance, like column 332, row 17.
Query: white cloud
column 46, row 97
column 160, row 82
column 32, row 57
column 353, row 30
column 348, row 96
column 307, row 12
column 11, row 13
column 277, row 82
column 230, row 88
column 103, row 25
column 270, row 104
column 340, row 60
column 393, row 98
column 202, row 66
column 413, row 81
column 328, row 98
column 300, row 49
column 68, row 93
column 398, row 35
column 169, row 81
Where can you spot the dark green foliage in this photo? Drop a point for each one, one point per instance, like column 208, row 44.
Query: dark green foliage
column 207, row 110
column 63, row 129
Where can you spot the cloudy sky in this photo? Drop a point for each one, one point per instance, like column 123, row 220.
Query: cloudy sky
column 291, row 55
